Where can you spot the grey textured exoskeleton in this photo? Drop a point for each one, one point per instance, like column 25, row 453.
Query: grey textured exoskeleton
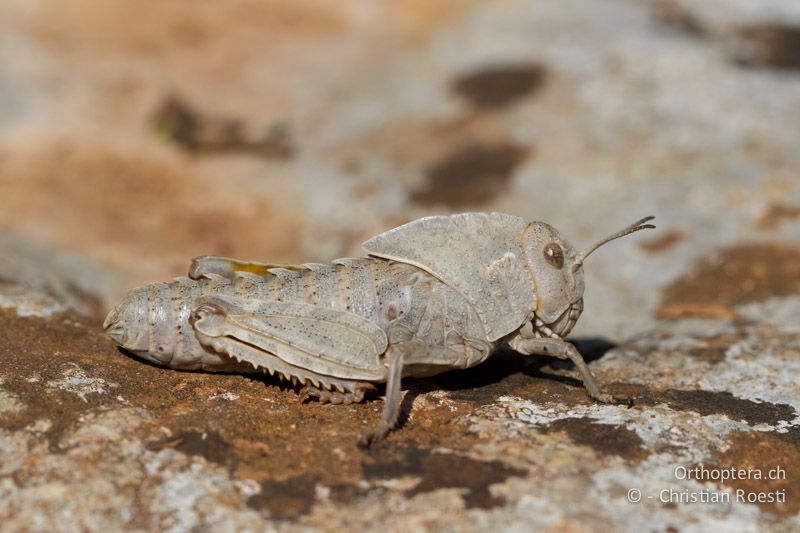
column 436, row 294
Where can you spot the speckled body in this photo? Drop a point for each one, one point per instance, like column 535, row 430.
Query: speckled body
column 436, row 294
column 403, row 300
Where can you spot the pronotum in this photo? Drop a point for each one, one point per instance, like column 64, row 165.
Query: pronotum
column 436, row 294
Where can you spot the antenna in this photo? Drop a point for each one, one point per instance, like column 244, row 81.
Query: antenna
column 636, row 226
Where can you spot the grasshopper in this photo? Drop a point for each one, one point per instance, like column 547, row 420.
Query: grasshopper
column 436, row 294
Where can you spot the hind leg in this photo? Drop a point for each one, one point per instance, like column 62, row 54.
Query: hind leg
column 227, row 268
column 331, row 396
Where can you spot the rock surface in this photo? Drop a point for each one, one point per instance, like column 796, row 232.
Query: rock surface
column 143, row 138
column 133, row 140
column 92, row 439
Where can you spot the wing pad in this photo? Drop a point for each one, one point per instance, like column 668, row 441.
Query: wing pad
column 480, row 255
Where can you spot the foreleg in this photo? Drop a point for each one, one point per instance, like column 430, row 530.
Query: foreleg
column 557, row 347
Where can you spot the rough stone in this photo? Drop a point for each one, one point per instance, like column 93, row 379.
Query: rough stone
column 40, row 280
column 627, row 108
column 93, row 439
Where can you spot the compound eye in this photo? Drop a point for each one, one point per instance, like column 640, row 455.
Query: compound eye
column 554, row 255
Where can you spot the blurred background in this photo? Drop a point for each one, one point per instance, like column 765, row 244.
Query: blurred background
column 135, row 135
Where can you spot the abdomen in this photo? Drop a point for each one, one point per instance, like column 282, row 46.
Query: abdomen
column 153, row 320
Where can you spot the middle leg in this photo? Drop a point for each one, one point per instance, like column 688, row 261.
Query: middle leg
column 398, row 356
